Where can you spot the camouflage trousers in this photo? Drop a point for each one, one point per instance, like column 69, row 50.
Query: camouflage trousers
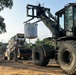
column 15, row 54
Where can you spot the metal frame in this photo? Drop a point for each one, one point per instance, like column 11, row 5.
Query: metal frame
column 34, row 13
column 37, row 11
column 33, row 7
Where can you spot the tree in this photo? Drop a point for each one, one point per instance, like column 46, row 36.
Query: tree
column 4, row 4
column 0, row 44
column 48, row 41
column 37, row 41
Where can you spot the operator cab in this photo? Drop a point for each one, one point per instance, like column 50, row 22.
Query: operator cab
column 68, row 15
column 21, row 38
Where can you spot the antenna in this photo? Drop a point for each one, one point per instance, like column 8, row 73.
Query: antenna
column 39, row 3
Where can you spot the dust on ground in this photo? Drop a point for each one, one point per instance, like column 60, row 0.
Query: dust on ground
column 26, row 67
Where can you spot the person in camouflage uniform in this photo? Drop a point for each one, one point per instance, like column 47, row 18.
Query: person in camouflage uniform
column 16, row 49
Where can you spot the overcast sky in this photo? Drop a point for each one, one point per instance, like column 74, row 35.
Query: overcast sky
column 15, row 17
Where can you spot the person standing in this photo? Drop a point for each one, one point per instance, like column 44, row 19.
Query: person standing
column 16, row 49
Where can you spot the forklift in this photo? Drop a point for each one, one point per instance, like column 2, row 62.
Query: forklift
column 63, row 28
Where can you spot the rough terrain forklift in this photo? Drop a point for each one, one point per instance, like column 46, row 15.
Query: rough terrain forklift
column 63, row 28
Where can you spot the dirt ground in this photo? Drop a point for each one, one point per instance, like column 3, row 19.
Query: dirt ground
column 23, row 67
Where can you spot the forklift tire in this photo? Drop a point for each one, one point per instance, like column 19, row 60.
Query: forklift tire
column 67, row 57
column 38, row 56
column 26, row 58
column 19, row 58
column 4, row 57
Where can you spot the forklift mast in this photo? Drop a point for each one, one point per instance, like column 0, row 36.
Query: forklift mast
column 44, row 15
column 53, row 23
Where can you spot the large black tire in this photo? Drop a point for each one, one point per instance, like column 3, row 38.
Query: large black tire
column 38, row 56
column 67, row 57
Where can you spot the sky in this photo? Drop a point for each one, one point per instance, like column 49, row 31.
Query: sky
column 15, row 17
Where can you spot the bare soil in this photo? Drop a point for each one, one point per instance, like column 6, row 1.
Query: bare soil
column 26, row 67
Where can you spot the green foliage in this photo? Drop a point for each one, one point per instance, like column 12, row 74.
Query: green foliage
column 2, row 25
column 37, row 42
column 47, row 41
column 6, row 3
column 3, row 46
column 50, row 41
column 0, row 44
column 3, row 4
